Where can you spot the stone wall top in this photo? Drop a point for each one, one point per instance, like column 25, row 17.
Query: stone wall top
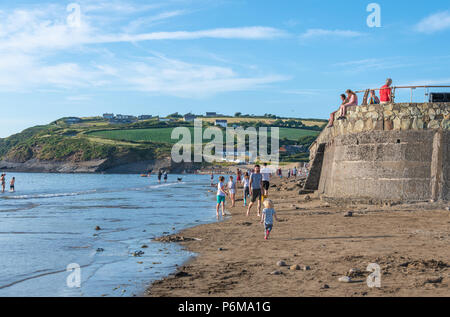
column 398, row 116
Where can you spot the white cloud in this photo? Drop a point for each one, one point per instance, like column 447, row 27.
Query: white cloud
column 136, row 24
column 21, row 72
column 428, row 82
column 121, row 7
column 314, row 33
column 371, row 64
column 304, row 92
column 35, row 29
column 38, row 50
column 161, row 75
column 436, row 22
column 78, row 98
column 243, row 33
column 291, row 23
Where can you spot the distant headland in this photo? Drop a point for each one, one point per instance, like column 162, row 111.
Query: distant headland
column 116, row 143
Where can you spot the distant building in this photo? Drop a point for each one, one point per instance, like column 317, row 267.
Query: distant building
column 145, row 117
column 124, row 117
column 108, row 116
column 222, row 123
column 164, row 120
column 121, row 119
column 211, row 114
column 189, row 118
column 72, row 120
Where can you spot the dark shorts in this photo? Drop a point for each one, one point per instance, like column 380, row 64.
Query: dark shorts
column 266, row 185
column 268, row 227
column 256, row 195
column 11, row 187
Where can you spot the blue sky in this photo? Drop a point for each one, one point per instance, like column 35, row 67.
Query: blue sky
column 290, row 58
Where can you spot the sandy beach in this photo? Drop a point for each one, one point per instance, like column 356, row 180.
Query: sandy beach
column 410, row 243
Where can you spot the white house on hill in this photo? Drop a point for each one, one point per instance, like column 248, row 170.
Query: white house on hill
column 222, row 123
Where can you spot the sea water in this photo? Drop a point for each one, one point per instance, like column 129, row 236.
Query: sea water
column 49, row 224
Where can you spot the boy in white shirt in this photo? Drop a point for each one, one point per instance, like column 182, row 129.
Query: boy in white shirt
column 221, row 194
column 266, row 173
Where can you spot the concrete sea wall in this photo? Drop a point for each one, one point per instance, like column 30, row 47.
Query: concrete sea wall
column 384, row 153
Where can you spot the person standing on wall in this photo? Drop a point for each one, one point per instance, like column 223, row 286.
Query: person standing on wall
column 386, row 92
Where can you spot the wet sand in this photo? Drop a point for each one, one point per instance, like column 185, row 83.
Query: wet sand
column 410, row 243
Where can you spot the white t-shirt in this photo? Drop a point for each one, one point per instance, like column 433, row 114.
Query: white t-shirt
column 220, row 191
column 266, row 173
column 246, row 182
column 232, row 187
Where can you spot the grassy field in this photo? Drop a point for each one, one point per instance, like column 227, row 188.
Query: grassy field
column 295, row 134
column 237, row 120
column 164, row 134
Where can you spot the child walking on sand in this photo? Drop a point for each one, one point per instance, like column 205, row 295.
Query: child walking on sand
column 246, row 184
column 232, row 191
column 267, row 217
column 221, row 194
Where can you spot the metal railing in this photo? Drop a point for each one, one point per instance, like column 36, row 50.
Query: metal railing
column 394, row 88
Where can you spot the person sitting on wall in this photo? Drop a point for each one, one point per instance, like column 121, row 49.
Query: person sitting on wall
column 386, row 92
column 332, row 115
column 374, row 100
column 352, row 100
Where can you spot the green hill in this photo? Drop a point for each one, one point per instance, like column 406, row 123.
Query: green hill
column 163, row 135
column 96, row 138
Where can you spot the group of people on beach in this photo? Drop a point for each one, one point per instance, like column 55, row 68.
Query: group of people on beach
column 255, row 184
column 162, row 174
column 351, row 99
column 290, row 172
column 11, row 183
